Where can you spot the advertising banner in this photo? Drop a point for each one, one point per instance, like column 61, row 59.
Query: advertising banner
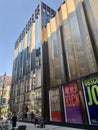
column 72, row 104
column 90, row 85
column 54, row 104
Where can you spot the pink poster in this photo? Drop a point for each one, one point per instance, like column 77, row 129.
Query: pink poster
column 72, row 103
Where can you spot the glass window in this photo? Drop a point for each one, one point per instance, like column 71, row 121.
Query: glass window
column 28, row 40
column 45, row 19
column 22, row 45
column 44, row 10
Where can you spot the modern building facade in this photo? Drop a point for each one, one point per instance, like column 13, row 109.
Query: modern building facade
column 27, row 64
column 57, row 69
column 71, row 39
column 5, row 87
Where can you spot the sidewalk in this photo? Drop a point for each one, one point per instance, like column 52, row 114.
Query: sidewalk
column 30, row 126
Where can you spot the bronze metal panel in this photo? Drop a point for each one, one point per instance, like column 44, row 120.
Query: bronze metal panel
column 64, row 11
column 86, row 42
column 90, row 9
column 56, row 65
column 94, row 7
column 70, row 6
column 69, row 50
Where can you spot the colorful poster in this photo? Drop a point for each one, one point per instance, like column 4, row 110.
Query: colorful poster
column 90, row 85
column 54, row 104
column 72, row 104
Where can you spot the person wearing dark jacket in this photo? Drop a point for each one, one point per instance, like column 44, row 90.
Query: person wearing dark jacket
column 14, row 120
column 36, row 120
column 41, row 122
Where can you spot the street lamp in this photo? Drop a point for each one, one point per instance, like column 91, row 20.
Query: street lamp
column 3, row 85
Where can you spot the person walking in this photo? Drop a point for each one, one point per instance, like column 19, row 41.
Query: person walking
column 32, row 116
column 14, row 120
column 36, row 120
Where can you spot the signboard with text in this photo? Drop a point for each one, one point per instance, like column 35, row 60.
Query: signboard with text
column 54, row 105
column 72, row 103
column 90, row 86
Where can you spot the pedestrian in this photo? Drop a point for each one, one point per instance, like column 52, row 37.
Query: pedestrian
column 14, row 120
column 32, row 116
column 41, row 122
column 36, row 119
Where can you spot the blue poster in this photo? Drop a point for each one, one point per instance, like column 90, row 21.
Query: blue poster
column 90, row 85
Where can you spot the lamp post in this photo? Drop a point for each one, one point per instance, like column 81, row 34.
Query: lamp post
column 3, row 85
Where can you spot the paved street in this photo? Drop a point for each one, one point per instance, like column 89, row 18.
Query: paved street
column 30, row 126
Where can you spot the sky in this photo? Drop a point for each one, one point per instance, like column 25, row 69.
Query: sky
column 14, row 15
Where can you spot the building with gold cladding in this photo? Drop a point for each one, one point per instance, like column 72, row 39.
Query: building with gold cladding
column 70, row 47
column 71, row 40
column 63, row 50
